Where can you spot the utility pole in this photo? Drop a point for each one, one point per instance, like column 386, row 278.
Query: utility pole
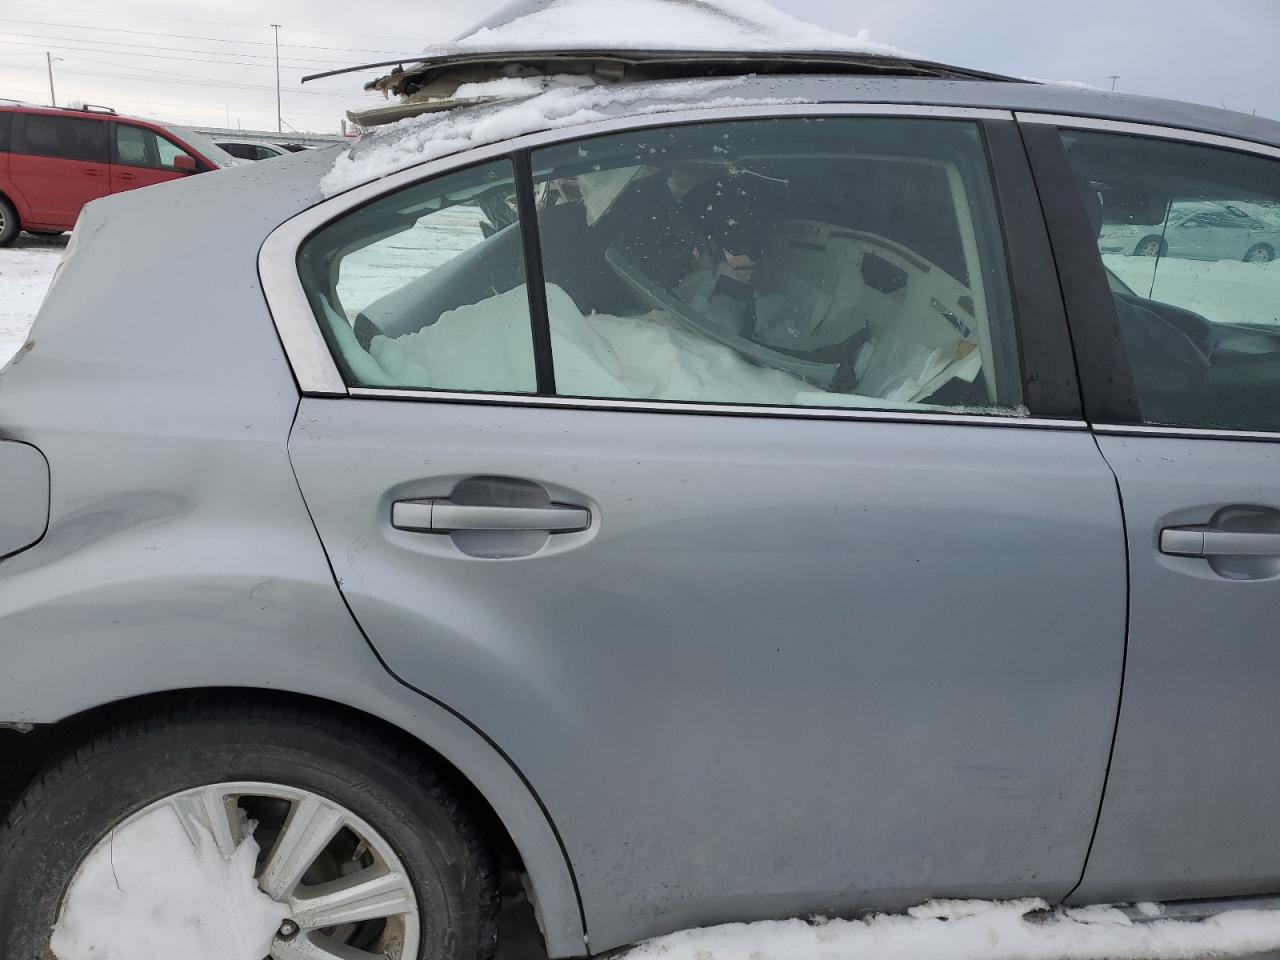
column 49, row 58
column 1114, row 78
column 279, row 115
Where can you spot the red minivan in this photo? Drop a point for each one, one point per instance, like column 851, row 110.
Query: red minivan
column 53, row 161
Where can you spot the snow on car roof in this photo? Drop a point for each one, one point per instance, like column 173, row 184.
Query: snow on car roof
column 547, row 103
column 654, row 25
column 558, row 62
column 667, row 38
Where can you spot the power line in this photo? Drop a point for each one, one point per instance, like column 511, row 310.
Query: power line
column 183, row 36
column 218, row 23
column 150, row 46
column 285, row 62
column 213, row 84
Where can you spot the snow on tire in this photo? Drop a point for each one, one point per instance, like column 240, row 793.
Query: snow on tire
column 238, row 831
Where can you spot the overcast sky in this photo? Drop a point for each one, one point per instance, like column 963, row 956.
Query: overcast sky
column 206, row 63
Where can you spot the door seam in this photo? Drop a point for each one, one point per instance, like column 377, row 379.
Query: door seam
column 1124, row 665
column 337, row 585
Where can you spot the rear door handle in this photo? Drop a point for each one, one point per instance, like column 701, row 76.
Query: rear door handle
column 1211, row 542
column 93, row 172
column 445, row 516
column 126, row 176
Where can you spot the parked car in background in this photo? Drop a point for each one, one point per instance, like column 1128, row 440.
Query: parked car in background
column 258, row 149
column 55, row 160
column 761, row 516
column 1196, row 230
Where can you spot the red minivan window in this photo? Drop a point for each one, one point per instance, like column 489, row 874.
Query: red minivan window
column 144, row 157
column 58, row 164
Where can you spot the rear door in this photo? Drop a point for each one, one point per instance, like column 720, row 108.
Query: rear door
column 143, row 157
column 719, row 499
column 60, row 163
column 1181, row 368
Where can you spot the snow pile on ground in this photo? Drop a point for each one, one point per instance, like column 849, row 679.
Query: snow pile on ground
column 548, row 103
column 1223, row 291
column 148, row 893
column 976, row 930
column 658, row 25
column 26, row 271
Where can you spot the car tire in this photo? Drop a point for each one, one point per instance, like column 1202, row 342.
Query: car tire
column 1260, row 253
column 10, row 226
column 1150, row 246
column 380, row 779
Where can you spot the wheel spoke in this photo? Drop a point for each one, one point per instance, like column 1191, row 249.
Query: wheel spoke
column 372, row 894
column 207, row 813
column 304, row 947
column 311, row 825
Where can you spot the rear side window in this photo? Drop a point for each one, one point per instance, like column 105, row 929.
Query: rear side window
column 6, row 131
column 835, row 262
column 848, row 262
column 1190, row 238
column 424, row 289
column 243, row 151
column 67, row 138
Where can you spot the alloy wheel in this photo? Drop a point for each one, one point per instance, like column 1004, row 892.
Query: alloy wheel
column 346, row 891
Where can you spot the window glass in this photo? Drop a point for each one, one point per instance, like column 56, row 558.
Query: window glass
column 68, row 138
column 1189, row 236
column 168, row 151
column 135, row 146
column 425, row 289
column 6, row 128
column 847, row 262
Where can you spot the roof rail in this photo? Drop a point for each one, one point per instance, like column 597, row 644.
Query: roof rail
column 90, row 108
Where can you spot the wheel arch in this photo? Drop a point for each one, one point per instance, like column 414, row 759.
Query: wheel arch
column 510, row 810
column 18, row 202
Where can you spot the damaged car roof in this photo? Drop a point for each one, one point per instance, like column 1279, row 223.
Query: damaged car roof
column 542, row 37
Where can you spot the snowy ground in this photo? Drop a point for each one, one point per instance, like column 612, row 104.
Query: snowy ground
column 153, row 891
column 1224, row 291
column 25, row 271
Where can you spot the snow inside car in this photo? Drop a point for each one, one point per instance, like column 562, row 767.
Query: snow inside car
column 662, row 487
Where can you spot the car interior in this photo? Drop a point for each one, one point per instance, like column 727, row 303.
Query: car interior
column 848, row 272
column 1188, row 369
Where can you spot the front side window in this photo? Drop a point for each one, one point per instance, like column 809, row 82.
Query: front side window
column 139, row 147
column 66, row 138
column 846, row 262
column 425, row 289
column 169, row 152
column 1189, row 236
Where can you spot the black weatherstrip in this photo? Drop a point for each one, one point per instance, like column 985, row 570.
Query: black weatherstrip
column 1048, row 369
column 532, row 245
column 1101, row 357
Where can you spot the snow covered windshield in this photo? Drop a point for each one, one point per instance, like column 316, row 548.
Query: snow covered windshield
column 795, row 262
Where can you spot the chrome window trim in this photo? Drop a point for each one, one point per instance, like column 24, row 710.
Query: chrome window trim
column 716, row 409
column 305, row 347
column 1156, row 131
column 1185, row 433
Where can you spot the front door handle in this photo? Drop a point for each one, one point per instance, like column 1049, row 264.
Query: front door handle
column 445, row 516
column 1212, row 542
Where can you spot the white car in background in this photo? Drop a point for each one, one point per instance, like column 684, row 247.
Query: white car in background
column 1200, row 230
column 259, row 149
